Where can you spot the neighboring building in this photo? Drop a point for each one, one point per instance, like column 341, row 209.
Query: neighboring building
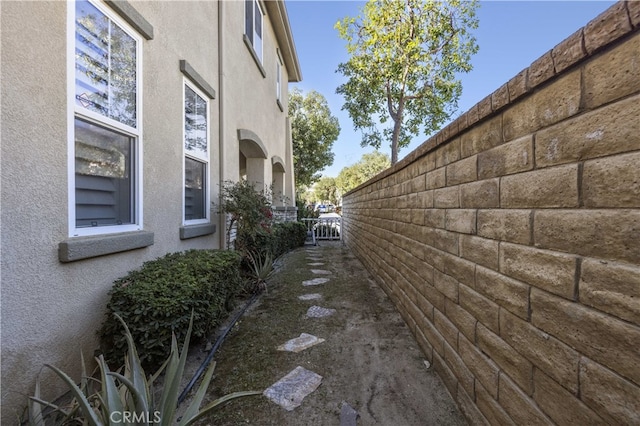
column 120, row 121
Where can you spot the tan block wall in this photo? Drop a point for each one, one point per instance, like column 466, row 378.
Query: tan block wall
column 510, row 241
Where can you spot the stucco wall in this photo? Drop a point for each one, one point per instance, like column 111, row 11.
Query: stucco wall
column 510, row 241
column 250, row 97
column 51, row 310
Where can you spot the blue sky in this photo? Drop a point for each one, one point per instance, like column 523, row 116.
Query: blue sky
column 511, row 35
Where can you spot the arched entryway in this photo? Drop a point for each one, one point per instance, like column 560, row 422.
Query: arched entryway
column 278, row 182
column 252, row 158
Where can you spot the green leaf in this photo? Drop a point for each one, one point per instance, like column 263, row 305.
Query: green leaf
column 47, row 404
column 35, row 409
column 169, row 398
column 133, row 363
column 90, row 416
column 173, row 377
column 138, row 397
column 110, row 393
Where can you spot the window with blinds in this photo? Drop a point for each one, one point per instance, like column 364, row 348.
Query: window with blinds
column 106, row 127
column 106, row 78
column 104, row 182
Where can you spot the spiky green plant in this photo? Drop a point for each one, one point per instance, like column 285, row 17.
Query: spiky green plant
column 131, row 392
column 261, row 268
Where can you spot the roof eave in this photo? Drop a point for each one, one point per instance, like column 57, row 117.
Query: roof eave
column 279, row 18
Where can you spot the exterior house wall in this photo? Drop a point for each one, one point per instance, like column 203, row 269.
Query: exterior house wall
column 510, row 241
column 53, row 292
column 251, row 98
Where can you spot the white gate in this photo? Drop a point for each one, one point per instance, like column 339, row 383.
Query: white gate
column 324, row 228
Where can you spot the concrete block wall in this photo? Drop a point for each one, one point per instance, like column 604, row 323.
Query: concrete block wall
column 510, row 241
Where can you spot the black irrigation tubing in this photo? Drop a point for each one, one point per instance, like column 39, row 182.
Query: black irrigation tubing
column 213, row 350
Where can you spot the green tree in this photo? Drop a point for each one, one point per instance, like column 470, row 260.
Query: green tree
column 404, row 56
column 325, row 190
column 313, row 132
column 370, row 165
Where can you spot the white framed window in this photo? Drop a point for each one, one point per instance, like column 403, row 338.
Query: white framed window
column 196, row 156
column 253, row 25
column 105, row 132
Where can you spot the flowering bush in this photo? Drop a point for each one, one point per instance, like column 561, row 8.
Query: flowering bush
column 250, row 211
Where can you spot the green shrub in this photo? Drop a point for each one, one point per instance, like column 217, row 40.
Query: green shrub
column 279, row 239
column 157, row 300
column 287, row 236
column 257, row 242
column 249, row 210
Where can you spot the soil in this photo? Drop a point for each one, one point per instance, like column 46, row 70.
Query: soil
column 369, row 358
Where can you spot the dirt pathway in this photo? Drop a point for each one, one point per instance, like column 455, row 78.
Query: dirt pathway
column 368, row 359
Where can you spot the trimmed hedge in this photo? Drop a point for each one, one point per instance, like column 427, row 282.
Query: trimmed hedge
column 157, row 300
column 287, row 236
column 279, row 239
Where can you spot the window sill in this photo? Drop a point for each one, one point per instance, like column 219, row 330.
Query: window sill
column 254, row 55
column 280, row 105
column 80, row 248
column 193, row 231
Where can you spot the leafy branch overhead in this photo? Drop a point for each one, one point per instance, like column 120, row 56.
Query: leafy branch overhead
column 313, row 132
column 404, row 56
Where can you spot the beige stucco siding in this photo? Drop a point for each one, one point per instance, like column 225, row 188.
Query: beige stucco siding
column 52, row 302
column 250, row 99
column 51, row 310
column 175, row 39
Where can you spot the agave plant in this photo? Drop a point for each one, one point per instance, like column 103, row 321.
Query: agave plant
column 261, row 268
column 129, row 398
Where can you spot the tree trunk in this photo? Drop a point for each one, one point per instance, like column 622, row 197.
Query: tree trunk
column 397, row 124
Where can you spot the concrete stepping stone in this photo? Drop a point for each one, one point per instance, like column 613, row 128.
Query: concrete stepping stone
column 319, row 312
column 301, row 343
column 348, row 415
column 315, row 281
column 315, row 264
column 289, row 391
column 310, row 296
column 320, row 272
